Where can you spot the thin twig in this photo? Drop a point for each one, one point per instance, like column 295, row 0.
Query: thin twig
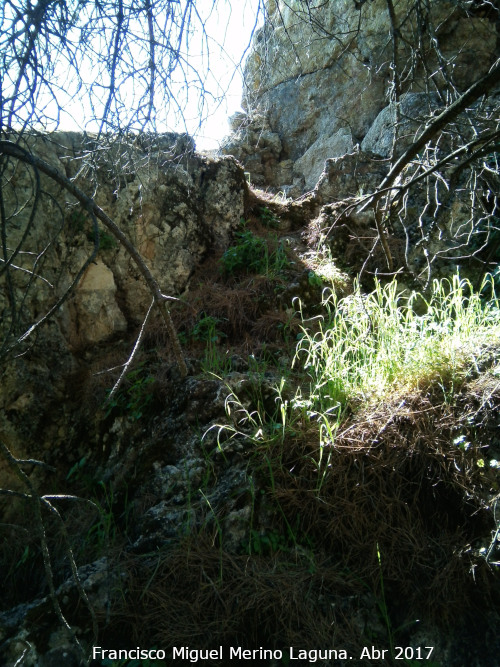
column 132, row 355
column 89, row 204
column 37, row 502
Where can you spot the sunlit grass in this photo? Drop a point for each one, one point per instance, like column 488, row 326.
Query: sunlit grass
column 366, row 350
column 367, row 347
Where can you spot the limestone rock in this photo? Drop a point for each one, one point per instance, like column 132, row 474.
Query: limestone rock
column 323, row 70
column 311, row 164
column 349, row 175
column 175, row 207
column 257, row 147
column 99, row 316
column 414, row 108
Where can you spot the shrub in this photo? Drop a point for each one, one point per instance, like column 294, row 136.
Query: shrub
column 251, row 254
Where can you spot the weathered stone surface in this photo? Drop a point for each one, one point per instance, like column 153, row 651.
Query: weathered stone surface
column 98, row 314
column 320, row 104
column 413, row 110
column 324, row 70
column 349, row 175
column 175, row 208
column 312, row 163
column 258, row 148
column 17, row 625
column 173, row 212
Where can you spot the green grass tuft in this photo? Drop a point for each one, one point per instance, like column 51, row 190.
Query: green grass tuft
column 366, row 346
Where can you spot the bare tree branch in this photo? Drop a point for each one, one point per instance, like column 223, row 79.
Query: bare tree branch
column 477, row 90
column 37, row 502
column 89, row 204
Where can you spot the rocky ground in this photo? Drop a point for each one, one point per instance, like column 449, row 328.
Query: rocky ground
column 204, row 511
column 268, row 500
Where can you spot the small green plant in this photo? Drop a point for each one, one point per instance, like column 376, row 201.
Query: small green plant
column 106, row 240
column 215, row 360
column 136, row 394
column 286, row 330
column 329, row 423
column 206, row 329
column 365, row 344
column 103, row 531
column 251, row 254
column 218, row 529
column 268, row 218
column 278, row 261
column 247, row 256
column 76, row 470
column 25, row 557
column 77, row 219
column 264, row 544
column 495, row 275
column 314, row 279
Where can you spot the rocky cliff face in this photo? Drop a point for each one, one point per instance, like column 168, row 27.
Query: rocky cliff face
column 223, row 501
column 337, row 92
column 174, row 205
column 320, row 80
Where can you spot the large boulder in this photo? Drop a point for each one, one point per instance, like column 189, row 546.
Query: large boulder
column 414, row 109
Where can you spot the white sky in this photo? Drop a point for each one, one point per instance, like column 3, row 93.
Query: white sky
column 239, row 17
column 230, row 30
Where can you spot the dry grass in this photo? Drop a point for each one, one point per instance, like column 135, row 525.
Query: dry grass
column 394, row 481
column 379, row 510
column 394, row 478
column 203, row 597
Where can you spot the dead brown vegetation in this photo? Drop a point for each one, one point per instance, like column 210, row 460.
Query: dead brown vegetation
column 395, row 484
